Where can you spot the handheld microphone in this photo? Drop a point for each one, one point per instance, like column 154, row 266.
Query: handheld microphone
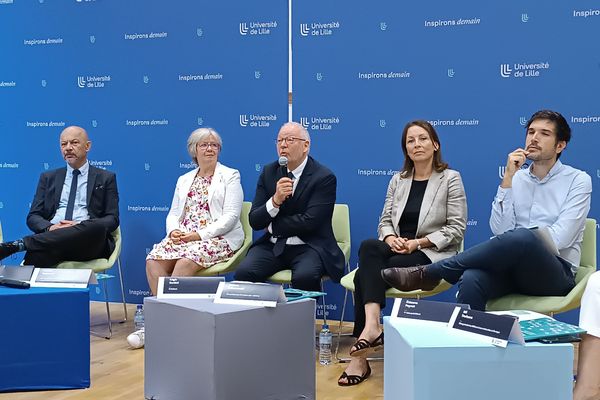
column 13, row 283
column 283, row 163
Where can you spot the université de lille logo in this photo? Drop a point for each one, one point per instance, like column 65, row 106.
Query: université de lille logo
column 321, row 28
column 257, row 28
column 523, row 70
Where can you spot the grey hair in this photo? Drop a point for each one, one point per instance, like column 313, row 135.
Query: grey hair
column 198, row 135
column 303, row 131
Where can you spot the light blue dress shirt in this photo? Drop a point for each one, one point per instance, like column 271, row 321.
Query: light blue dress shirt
column 560, row 201
column 80, row 211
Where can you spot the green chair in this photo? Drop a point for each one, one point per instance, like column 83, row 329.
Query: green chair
column 232, row 263
column 340, row 222
column 557, row 304
column 100, row 266
column 348, row 283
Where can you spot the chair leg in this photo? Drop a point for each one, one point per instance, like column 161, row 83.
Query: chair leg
column 122, row 290
column 107, row 314
column 323, row 301
column 339, row 335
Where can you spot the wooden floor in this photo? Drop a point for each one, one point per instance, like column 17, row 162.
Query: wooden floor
column 117, row 372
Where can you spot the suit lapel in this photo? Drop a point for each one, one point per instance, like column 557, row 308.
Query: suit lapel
column 401, row 197
column 435, row 181
column 59, row 182
column 91, row 181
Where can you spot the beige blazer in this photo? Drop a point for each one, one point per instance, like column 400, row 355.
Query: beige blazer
column 225, row 197
column 443, row 215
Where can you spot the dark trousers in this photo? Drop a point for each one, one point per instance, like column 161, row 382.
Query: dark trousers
column 260, row 263
column 82, row 242
column 514, row 262
column 373, row 256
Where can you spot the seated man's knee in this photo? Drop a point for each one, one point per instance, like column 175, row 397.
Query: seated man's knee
column 306, row 281
column 517, row 236
column 244, row 273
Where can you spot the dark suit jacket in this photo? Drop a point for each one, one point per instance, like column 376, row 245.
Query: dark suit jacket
column 102, row 200
column 307, row 214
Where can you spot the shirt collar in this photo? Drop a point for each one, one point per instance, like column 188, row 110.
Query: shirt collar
column 298, row 171
column 83, row 170
column 553, row 171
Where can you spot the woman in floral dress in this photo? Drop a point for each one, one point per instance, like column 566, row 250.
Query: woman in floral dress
column 203, row 225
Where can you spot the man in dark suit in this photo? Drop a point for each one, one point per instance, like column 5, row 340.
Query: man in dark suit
column 74, row 210
column 294, row 206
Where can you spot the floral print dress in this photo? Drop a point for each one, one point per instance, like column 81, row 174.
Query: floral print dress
column 196, row 215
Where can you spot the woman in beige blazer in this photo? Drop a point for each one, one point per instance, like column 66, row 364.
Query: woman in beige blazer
column 423, row 220
column 203, row 224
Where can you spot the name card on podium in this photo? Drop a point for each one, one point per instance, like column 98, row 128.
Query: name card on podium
column 63, row 278
column 250, row 294
column 490, row 328
column 433, row 312
column 189, row 287
column 16, row 272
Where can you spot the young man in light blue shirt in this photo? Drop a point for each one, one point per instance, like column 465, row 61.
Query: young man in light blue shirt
column 538, row 217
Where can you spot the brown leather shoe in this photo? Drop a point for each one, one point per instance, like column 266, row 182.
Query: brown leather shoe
column 410, row 278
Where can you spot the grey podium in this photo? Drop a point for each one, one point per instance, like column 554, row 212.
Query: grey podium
column 196, row 349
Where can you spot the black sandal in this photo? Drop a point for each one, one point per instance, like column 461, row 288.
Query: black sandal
column 364, row 347
column 352, row 380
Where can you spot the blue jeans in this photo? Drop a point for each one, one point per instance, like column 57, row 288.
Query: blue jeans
column 514, row 262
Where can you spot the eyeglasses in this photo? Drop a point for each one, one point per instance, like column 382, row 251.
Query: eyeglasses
column 288, row 140
column 205, row 146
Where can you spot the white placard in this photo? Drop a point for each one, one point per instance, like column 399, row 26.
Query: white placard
column 63, row 278
column 250, row 294
column 189, row 287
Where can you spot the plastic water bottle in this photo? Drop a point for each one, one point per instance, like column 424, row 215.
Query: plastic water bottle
column 138, row 319
column 325, row 345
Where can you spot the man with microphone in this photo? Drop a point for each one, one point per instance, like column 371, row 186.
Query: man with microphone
column 538, row 217
column 293, row 204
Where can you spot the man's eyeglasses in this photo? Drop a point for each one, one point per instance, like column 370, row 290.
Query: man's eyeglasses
column 205, row 146
column 288, row 140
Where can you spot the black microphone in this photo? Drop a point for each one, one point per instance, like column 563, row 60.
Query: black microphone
column 283, row 163
column 13, row 283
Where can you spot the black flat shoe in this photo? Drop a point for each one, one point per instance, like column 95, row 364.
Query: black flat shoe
column 364, row 347
column 352, row 380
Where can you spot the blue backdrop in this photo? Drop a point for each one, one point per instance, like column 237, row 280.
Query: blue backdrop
column 475, row 70
column 141, row 75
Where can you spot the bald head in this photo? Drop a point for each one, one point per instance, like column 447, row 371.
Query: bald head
column 74, row 146
column 298, row 129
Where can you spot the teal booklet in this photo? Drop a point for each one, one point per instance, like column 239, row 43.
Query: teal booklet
column 536, row 326
column 297, row 294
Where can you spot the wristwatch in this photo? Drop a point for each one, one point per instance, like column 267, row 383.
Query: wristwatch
column 418, row 244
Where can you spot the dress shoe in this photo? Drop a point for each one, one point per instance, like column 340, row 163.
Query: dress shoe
column 8, row 249
column 407, row 279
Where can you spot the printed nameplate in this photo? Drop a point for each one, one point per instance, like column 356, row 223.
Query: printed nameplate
column 250, row 294
column 188, row 287
column 63, row 278
column 424, row 310
column 16, row 272
column 490, row 328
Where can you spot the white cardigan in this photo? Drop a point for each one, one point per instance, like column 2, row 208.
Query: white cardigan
column 225, row 197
